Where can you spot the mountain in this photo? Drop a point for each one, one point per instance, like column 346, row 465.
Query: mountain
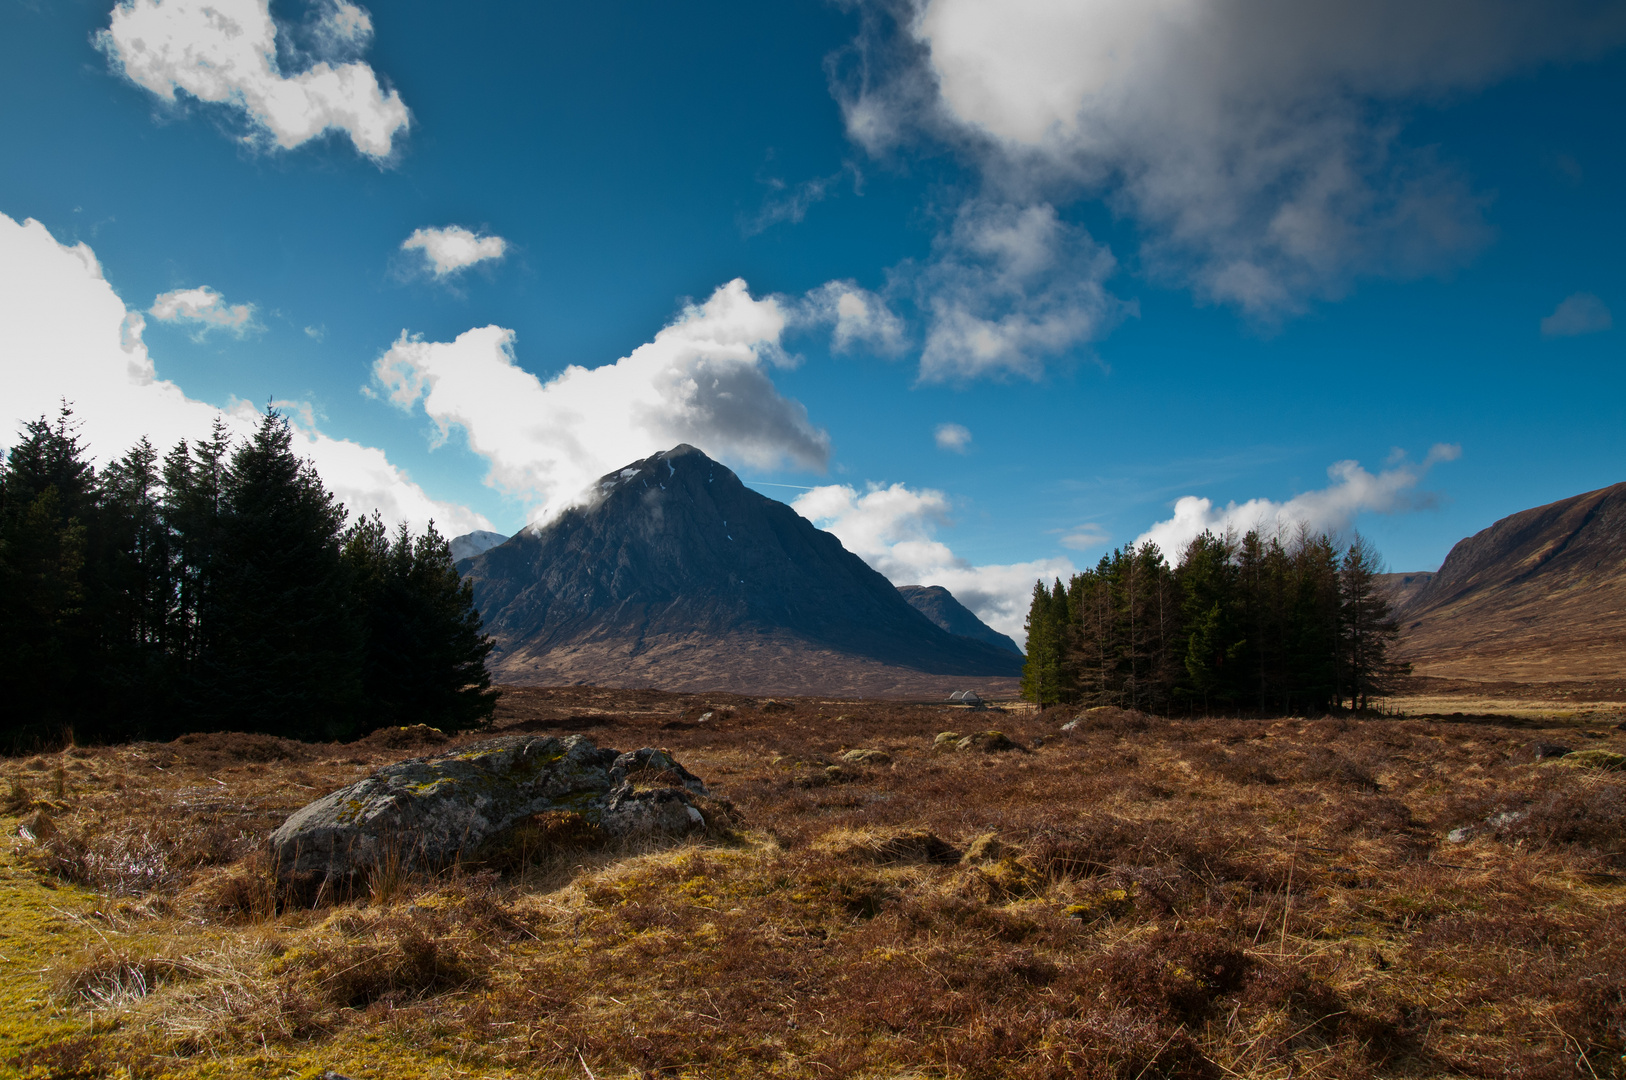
column 677, row 575
column 1538, row 596
column 939, row 605
column 1402, row 588
column 471, row 544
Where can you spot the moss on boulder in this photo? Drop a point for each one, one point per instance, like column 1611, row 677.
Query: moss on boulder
column 426, row 812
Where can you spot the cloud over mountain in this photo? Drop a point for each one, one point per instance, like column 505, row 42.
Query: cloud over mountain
column 893, row 529
column 225, row 52
column 703, row 381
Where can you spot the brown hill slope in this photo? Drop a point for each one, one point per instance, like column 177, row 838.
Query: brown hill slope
column 679, row 576
column 1538, row 596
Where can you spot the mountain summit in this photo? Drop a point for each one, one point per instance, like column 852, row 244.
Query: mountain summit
column 676, row 574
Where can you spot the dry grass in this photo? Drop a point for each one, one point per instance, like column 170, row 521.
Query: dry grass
column 1132, row 898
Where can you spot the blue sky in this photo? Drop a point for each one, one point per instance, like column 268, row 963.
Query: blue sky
column 1017, row 278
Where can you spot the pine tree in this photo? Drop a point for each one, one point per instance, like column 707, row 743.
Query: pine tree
column 425, row 657
column 1214, row 641
column 1369, row 629
column 281, row 645
column 137, row 575
column 48, row 493
column 1042, row 673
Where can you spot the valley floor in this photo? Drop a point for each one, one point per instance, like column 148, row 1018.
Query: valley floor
column 1128, row 897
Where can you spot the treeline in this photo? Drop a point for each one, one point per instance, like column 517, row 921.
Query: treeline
column 1260, row 625
column 218, row 588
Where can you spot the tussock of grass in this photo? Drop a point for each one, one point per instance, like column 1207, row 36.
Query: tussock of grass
column 1133, row 899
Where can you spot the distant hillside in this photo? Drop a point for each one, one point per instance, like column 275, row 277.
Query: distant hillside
column 1538, row 596
column 678, row 576
column 1403, row 588
column 940, row 606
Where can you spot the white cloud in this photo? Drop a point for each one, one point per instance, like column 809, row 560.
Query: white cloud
column 1085, row 537
column 343, row 27
column 856, row 317
column 1582, row 313
column 1329, row 509
column 206, row 309
column 64, row 333
column 454, row 248
column 893, row 529
column 1009, row 286
column 702, row 380
column 1255, row 143
column 954, row 437
column 225, row 51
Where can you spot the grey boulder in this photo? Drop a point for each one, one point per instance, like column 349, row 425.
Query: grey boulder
column 425, row 812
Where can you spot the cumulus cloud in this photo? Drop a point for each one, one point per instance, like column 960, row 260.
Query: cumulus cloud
column 1579, row 314
column 856, row 316
column 205, row 309
column 64, row 333
column 453, row 249
column 225, row 52
column 953, row 437
column 1257, row 144
column 1329, row 509
column 893, row 529
column 703, row 380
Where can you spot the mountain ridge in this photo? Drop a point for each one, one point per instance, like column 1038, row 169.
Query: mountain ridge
column 941, row 607
column 1539, row 594
column 674, row 573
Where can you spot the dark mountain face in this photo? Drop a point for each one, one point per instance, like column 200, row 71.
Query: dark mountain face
column 939, row 605
column 1540, row 594
column 677, row 567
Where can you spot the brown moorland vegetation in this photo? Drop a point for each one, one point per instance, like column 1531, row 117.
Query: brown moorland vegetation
column 1130, row 898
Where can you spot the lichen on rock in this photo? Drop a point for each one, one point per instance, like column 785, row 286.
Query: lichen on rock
column 426, row 812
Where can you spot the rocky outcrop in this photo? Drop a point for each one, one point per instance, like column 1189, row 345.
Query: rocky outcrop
column 426, row 812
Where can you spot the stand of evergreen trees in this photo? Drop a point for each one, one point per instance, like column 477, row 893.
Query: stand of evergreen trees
column 1257, row 625
column 218, row 588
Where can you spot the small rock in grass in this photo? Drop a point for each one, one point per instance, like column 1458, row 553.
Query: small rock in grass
column 864, row 756
column 945, row 740
column 987, row 741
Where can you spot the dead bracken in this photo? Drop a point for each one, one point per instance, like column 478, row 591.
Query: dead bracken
column 1134, row 898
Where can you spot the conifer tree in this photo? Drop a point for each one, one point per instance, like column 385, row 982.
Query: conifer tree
column 1369, row 629
column 282, row 648
column 425, row 656
column 47, row 494
column 1042, row 673
column 1214, row 642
